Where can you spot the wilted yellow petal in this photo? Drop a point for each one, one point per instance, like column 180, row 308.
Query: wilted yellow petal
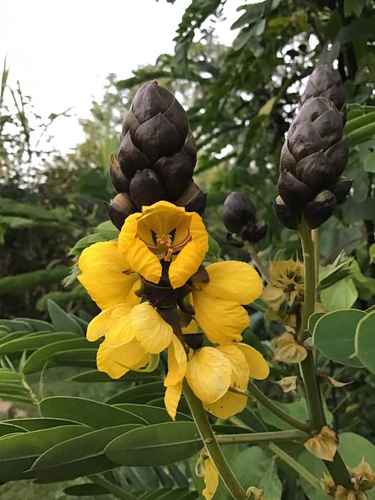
column 210, row 477
column 258, row 366
column 106, row 320
column 240, row 367
column 323, row 445
column 152, row 332
column 288, row 350
column 105, row 274
column 221, row 320
column 172, row 397
column 234, row 281
column 273, row 297
column 228, row 405
column 177, row 362
column 209, row 374
column 192, row 254
column 288, row 384
column 116, row 360
column 140, row 258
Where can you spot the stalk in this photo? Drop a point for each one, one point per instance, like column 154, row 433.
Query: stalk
column 262, row 437
column 336, row 468
column 209, row 439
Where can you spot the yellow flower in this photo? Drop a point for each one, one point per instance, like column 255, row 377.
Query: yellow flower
column 106, row 275
column 286, row 283
column 211, row 372
column 164, row 233
column 206, row 469
column 133, row 334
column 218, row 302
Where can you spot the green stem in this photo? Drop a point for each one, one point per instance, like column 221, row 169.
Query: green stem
column 116, row 490
column 336, row 468
column 256, row 393
column 262, row 437
column 209, row 439
column 300, row 469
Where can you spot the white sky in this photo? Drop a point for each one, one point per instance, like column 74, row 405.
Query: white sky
column 62, row 50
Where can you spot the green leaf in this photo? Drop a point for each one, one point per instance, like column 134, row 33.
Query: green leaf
column 270, row 482
column 140, row 394
column 33, row 342
column 340, row 295
column 334, row 335
column 76, row 357
column 15, row 325
column 9, row 428
column 38, row 423
column 353, row 7
column 85, row 490
column 18, row 451
column 97, row 376
column 79, row 456
column 365, row 341
column 37, row 324
column 87, row 411
column 372, row 253
column 158, row 444
column 152, row 414
column 39, row 358
column 61, row 320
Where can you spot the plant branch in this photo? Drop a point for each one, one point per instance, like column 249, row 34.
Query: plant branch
column 336, row 468
column 262, row 437
column 256, row 393
column 209, row 439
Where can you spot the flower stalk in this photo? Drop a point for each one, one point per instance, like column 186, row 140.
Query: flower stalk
column 262, row 437
column 337, row 467
column 209, row 439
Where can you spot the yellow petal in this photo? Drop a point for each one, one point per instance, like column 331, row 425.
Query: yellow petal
column 258, row 366
column 227, row 406
column 240, row 367
column 105, row 274
column 162, row 218
column 233, row 280
column 150, row 329
column 209, row 374
column 177, row 362
column 116, row 360
column 191, row 256
column 106, row 320
column 140, row 258
column 172, row 398
column 221, row 320
column 210, row 477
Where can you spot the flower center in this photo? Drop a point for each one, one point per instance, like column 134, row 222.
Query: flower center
column 165, row 245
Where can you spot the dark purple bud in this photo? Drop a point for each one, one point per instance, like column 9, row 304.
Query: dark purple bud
column 287, row 161
column 254, row 232
column 337, row 156
column 294, row 192
column 176, row 171
column 158, row 137
column 193, row 340
column 131, row 158
column 145, row 188
column 119, row 209
column 341, row 189
column 119, row 181
column 149, row 100
column 313, row 170
column 193, row 199
column 288, row 216
column 325, row 82
column 320, row 209
column 238, row 212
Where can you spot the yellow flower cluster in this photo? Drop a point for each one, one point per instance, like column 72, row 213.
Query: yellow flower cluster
column 164, row 246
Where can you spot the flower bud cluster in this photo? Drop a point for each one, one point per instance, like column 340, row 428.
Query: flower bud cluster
column 156, row 158
column 239, row 216
column 314, row 154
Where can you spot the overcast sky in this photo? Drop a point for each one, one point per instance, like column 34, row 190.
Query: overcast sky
column 62, row 50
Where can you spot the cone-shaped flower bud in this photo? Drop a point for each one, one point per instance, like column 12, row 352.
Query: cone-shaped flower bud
column 120, row 207
column 320, row 209
column 119, row 181
column 176, row 171
column 326, row 82
column 145, row 188
column 239, row 216
column 341, row 189
column 193, row 199
column 314, row 154
column 156, row 158
column 287, row 215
